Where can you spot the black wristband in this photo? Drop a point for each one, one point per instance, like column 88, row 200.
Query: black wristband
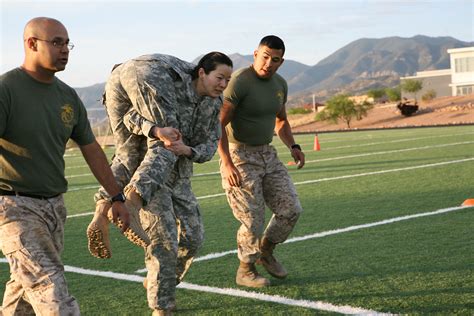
column 118, row 198
column 296, row 146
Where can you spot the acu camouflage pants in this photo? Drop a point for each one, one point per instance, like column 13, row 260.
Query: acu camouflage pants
column 32, row 239
column 173, row 222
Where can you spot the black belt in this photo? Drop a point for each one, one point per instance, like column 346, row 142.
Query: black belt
column 34, row 196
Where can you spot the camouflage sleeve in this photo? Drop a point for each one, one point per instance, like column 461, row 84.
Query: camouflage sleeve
column 137, row 124
column 205, row 151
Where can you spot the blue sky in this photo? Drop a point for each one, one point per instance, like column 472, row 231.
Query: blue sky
column 108, row 32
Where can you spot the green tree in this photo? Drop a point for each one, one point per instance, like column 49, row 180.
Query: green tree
column 394, row 94
column 412, row 86
column 376, row 93
column 340, row 107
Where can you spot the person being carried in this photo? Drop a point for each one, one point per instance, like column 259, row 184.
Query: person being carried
column 38, row 115
column 252, row 174
column 164, row 115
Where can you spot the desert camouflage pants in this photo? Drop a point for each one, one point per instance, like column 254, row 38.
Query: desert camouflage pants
column 265, row 182
column 173, row 222
column 32, row 238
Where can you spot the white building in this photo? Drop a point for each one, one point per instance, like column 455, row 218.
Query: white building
column 458, row 80
column 462, row 70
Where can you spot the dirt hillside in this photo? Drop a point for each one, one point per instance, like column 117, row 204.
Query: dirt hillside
column 440, row 111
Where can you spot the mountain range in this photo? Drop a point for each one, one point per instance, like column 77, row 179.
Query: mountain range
column 357, row 67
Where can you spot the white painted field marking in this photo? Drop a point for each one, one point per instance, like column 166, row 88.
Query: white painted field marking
column 328, row 159
column 323, row 179
column 317, row 305
column 385, row 171
column 336, row 231
column 375, row 143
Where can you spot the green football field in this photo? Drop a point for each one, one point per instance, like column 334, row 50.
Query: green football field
column 383, row 231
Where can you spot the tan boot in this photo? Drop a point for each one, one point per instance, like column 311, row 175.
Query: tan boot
column 98, row 231
column 162, row 312
column 134, row 232
column 247, row 275
column 268, row 261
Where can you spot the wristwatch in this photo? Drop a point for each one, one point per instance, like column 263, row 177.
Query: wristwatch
column 297, row 146
column 118, row 198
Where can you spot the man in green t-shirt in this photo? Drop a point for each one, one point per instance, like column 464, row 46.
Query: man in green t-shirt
column 252, row 174
column 38, row 115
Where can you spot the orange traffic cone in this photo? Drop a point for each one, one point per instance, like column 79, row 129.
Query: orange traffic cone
column 316, row 143
column 468, row 202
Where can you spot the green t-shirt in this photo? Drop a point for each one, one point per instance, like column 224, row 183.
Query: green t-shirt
column 256, row 101
column 36, row 121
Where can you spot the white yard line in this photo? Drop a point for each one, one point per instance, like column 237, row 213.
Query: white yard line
column 317, row 305
column 323, row 179
column 329, row 159
column 310, row 161
column 371, row 144
column 216, row 255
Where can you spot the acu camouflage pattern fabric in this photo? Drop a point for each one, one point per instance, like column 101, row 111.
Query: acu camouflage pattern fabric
column 157, row 90
column 173, row 222
column 32, row 239
column 265, row 180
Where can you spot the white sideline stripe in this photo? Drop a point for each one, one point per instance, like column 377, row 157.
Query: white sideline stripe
column 330, row 179
column 385, row 171
column 365, row 154
column 328, row 159
column 318, row 305
column 378, row 143
column 334, row 232
column 334, row 158
column 389, row 152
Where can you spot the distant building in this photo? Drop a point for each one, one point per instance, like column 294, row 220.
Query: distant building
column 458, row 80
column 462, row 70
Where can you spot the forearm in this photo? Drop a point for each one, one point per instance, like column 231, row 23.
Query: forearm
column 100, row 168
column 223, row 148
column 283, row 130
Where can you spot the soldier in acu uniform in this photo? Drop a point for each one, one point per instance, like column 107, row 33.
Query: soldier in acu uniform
column 38, row 115
column 252, row 174
column 164, row 116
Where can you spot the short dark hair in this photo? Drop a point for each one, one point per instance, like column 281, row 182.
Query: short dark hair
column 210, row 61
column 273, row 42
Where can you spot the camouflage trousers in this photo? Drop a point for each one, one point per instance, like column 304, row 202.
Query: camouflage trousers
column 173, row 222
column 32, row 239
column 146, row 160
column 265, row 181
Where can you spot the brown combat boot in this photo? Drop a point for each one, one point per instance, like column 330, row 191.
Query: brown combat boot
column 98, row 231
column 268, row 261
column 247, row 275
column 134, row 232
column 162, row 312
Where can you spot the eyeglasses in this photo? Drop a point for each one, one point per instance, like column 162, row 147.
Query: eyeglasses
column 57, row 43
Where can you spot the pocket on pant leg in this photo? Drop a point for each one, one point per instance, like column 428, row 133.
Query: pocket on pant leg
column 25, row 266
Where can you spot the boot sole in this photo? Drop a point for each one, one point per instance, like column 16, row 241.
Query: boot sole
column 253, row 285
column 96, row 244
column 131, row 235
